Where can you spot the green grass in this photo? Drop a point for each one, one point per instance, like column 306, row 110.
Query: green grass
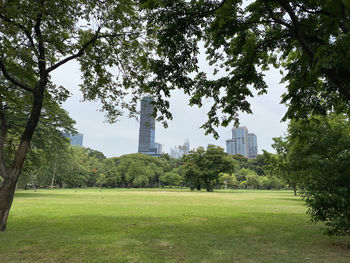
column 165, row 226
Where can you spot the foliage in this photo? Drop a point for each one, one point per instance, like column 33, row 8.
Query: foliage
column 279, row 165
column 308, row 40
column 101, row 180
column 228, row 180
column 253, row 180
column 317, row 153
column 204, row 166
column 170, row 179
column 110, row 170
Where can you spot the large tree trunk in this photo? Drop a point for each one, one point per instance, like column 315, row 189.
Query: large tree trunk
column 8, row 187
column 7, row 192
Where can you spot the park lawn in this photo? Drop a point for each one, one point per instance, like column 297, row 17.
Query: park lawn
column 156, row 225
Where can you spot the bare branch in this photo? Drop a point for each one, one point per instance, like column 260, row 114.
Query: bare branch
column 13, row 80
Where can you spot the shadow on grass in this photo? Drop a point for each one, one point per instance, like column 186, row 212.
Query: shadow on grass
column 297, row 199
column 39, row 194
column 96, row 238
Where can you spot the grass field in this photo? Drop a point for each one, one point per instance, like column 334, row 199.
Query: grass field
column 165, row 226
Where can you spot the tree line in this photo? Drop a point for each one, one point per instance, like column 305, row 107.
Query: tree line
column 211, row 168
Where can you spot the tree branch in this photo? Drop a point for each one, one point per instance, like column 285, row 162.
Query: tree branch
column 275, row 19
column 296, row 27
column 343, row 24
column 76, row 55
column 13, row 80
column 25, row 31
column 41, row 47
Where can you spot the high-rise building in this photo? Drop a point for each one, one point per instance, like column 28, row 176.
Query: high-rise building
column 242, row 142
column 75, row 139
column 252, row 145
column 179, row 151
column 147, row 144
column 159, row 148
column 187, row 145
column 231, row 146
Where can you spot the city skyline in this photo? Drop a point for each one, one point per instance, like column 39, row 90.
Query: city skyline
column 122, row 137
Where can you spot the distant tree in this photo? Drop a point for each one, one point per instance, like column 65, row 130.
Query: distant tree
column 229, row 180
column 243, row 173
column 101, row 180
column 257, row 164
column 204, row 166
column 139, row 175
column 243, row 184
column 270, row 182
column 279, row 164
column 157, row 166
column 170, row 179
column 253, row 180
column 110, row 169
column 194, row 170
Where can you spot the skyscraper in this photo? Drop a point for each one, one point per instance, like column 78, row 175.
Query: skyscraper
column 252, row 145
column 187, row 145
column 242, row 142
column 147, row 144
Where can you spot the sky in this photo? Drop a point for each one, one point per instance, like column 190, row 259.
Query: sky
column 122, row 137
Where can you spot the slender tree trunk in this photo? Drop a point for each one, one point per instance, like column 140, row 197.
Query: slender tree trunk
column 295, row 190
column 7, row 192
column 54, row 173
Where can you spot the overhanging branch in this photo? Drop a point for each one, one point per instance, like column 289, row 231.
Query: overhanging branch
column 13, row 80
column 76, row 55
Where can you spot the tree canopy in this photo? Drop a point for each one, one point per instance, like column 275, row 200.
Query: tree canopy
column 203, row 167
column 316, row 157
column 308, row 40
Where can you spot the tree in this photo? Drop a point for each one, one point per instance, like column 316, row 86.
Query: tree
column 319, row 158
column 280, row 165
column 37, row 37
column 308, row 40
column 253, row 180
column 101, row 180
column 204, row 166
column 109, row 168
column 170, row 179
column 229, row 180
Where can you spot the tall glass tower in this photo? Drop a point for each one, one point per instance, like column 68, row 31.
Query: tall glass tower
column 243, row 143
column 147, row 144
column 252, row 145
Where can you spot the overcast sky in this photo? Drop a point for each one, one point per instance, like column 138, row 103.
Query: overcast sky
column 122, row 137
